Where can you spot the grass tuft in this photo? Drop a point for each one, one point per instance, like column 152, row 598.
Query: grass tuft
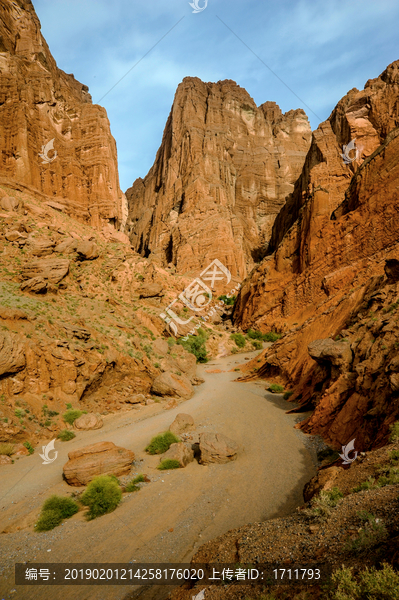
column 6, row 448
column 65, row 435
column 102, row 496
column 168, row 463
column 161, row 443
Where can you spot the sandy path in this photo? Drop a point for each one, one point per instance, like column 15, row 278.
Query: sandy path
column 198, row 502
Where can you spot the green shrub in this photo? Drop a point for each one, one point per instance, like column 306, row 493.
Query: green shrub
column 257, row 344
column 228, row 301
column 287, row 395
column 394, row 456
column 373, row 532
column 327, row 453
column 65, row 435
column 161, row 443
column 365, row 485
column 391, row 477
column 71, row 415
column 195, row 345
column 271, row 336
column 276, row 388
column 54, row 510
column 132, row 485
column 29, row 447
column 394, row 428
column 169, row 463
column 6, row 448
column 239, row 339
column 254, row 335
column 171, row 341
column 322, row 504
column 102, row 496
column 48, row 520
column 372, row 584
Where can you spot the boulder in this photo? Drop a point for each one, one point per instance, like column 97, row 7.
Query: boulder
column 172, row 403
column 181, row 452
column 66, row 246
column 160, row 346
column 150, row 290
column 12, row 354
column 325, row 351
column 40, row 246
column 88, row 421
column 9, row 203
column 87, row 250
column 51, row 269
column 324, row 480
column 5, row 460
column 135, row 399
column 20, row 450
column 217, row 448
column 12, row 313
column 182, row 424
column 103, row 458
column 13, row 236
column 169, row 384
column 36, row 285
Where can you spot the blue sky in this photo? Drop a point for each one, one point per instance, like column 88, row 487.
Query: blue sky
column 320, row 48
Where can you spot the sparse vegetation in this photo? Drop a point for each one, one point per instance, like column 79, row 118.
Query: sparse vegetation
column 6, row 448
column 276, row 388
column 102, row 496
column 65, row 435
column 169, row 463
column 238, row 339
column 71, row 415
column 271, row 336
column 257, row 344
column 373, row 532
column 161, row 443
column 394, row 428
column 196, row 345
column 228, row 301
column 132, row 485
column 322, row 504
column 54, row 510
column 29, row 447
column 376, row 584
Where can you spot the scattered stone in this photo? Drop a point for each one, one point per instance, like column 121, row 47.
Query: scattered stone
column 136, row 399
column 103, row 458
column 183, row 423
column 40, row 246
column 173, row 403
column 66, row 246
column 217, row 448
column 87, row 250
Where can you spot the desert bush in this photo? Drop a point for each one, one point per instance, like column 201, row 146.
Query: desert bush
column 365, row 485
column 322, row 504
column 272, row 336
column 394, row 428
column 132, row 485
column 287, row 395
column 6, row 448
column 239, row 339
column 168, row 463
column 394, row 456
column 373, row 532
column 377, row 584
column 195, row 345
column 391, row 477
column 29, row 447
column 71, row 415
column 54, row 510
column 276, row 388
column 102, row 496
column 65, row 435
column 228, row 301
column 161, row 443
column 257, row 344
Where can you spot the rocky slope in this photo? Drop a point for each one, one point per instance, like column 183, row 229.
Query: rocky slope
column 224, row 170
column 40, row 103
column 332, row 242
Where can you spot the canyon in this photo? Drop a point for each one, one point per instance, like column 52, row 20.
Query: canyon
column 307, row 224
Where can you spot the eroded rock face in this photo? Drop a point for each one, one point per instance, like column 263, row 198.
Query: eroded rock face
column 39, row 102
column 220, row 177
column 336, row 258
column 103, row 458
column 12, row 354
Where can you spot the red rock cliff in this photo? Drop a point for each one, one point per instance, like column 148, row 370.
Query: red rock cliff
column 39, row 102
column 220, row 177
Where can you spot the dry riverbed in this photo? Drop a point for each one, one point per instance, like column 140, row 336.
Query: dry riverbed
column 174, row 514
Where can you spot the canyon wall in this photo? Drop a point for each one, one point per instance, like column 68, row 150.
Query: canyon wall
column 40, row 103
column 333, row 244
column 224, row 170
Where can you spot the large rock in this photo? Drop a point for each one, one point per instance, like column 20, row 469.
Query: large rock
column 12, row 353
column 88, row 421
column 10, row 203
column 169, row 384
column 67, row 246
column 323, row 481
column 40, row 246
column 217, row 448
column 220, row 177
column 150, row 290
column 181, row 452
column 103, row 458
column 87, row 250
column 5, row 460
column 36, row 285
column 182, row 424
column 39, row 103
column 324, row 351
column 50, row 269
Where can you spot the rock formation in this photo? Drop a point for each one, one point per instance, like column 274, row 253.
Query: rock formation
column 103, row 458
column 330, row 245
column 40, row 103
column 220, row 177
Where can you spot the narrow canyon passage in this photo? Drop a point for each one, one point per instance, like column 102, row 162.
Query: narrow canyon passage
column 172, row 516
